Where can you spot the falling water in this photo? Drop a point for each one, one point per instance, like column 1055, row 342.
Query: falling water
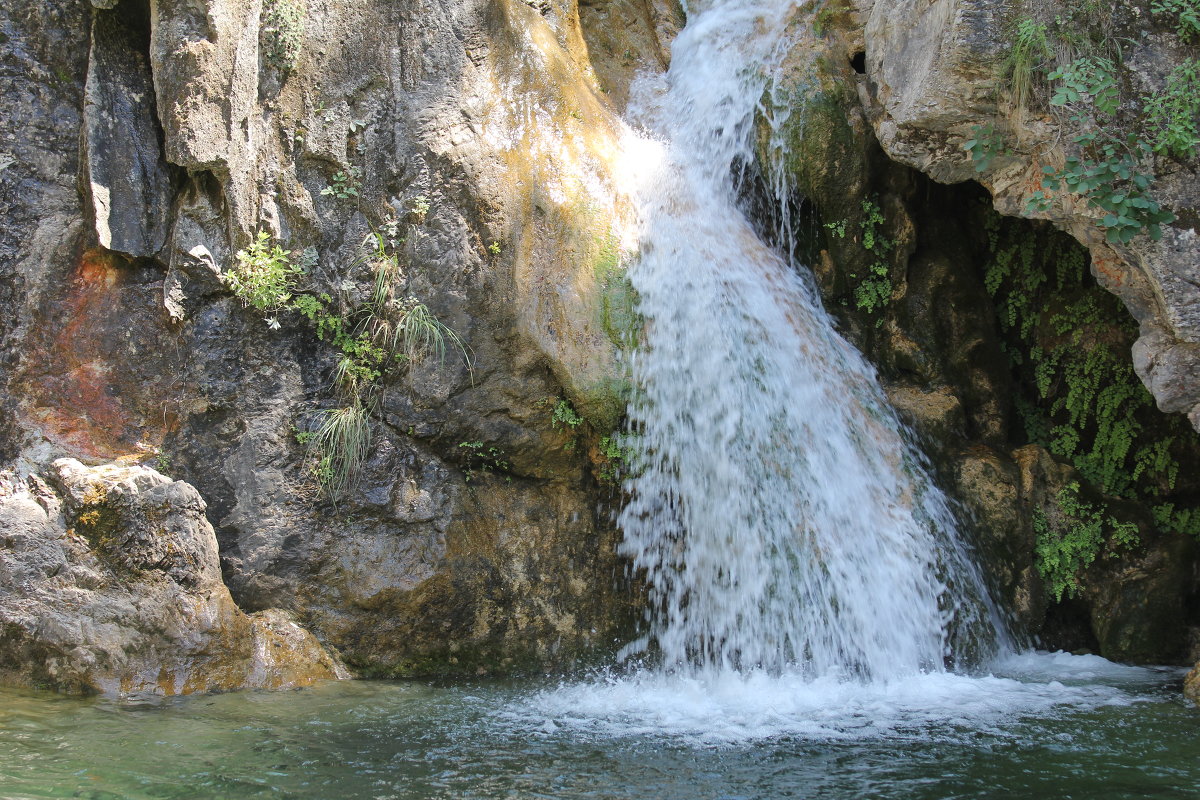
column 783, row 522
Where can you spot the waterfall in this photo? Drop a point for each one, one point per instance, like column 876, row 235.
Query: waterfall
column 782, row 520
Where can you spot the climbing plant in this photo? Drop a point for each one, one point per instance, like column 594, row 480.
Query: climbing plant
column 1068, row 542
column 1069, row 340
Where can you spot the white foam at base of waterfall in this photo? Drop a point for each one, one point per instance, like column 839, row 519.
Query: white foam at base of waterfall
column 727, row 708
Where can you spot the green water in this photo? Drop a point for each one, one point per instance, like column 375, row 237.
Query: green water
column 1073, row 735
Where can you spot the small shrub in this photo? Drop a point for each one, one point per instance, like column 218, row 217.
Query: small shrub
column 264, row 277
column 1173, row 113
column 344, row 185
column 1091, row 80
column 420, row 206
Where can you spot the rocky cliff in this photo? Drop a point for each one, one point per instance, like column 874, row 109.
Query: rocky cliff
column 460, row 157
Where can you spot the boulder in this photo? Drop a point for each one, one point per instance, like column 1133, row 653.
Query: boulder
column 110, row 583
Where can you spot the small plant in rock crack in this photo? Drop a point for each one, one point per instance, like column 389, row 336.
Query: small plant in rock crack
column 374, row 338
column 420, row 207
column 479, row 458
column 874, row 291
column 282, row 30
column 565, row 418
column 616, row 456
column 1030, row 50
column 342, row 443
column 344, row 185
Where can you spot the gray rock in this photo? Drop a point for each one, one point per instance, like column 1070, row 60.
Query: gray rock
column 110, row 582
column 127, row 178
column 105, row 356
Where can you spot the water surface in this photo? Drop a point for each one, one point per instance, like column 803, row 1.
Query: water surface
column 1044, row 726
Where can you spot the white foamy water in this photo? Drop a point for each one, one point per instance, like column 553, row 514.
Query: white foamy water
column 783, row 522
column 727, row 707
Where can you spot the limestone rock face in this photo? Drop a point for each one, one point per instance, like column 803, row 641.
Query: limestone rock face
column 477, row 535
column 127, row 178
column 110, row 582
column 933, row 74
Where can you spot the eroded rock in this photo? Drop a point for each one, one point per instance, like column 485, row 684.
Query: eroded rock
column 933, row 79
column 110, row 582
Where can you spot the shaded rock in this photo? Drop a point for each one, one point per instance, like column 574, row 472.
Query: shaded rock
column 127, row 178
column 1136, row 600
column 990, row 486
column 110, row 582
column 933, row 76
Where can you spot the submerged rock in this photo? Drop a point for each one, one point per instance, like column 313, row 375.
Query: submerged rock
column 110, row 583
